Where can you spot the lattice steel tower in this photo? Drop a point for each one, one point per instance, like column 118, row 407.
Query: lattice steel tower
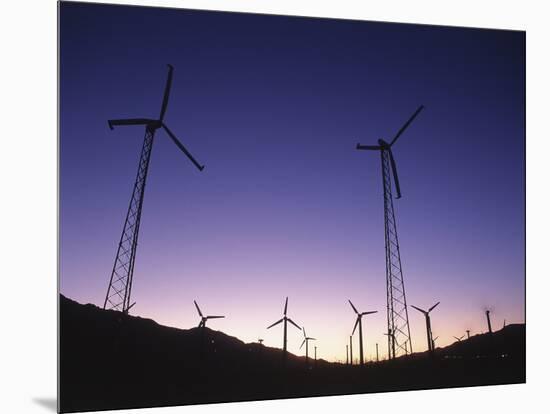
column 120, row 283
column 398, row 332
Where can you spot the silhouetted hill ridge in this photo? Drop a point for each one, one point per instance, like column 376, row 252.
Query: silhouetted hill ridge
column 109, row 360
column 509, row 339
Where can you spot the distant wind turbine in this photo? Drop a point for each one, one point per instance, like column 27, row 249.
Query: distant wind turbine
column 202, row 323
column 459, row 339
column 358, row 321
column 487, row 314
column 284, row 319
column 306, row 341
column 315, row 355
column 351, row 350
column 428, row 324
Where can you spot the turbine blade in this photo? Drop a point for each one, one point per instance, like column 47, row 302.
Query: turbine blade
column 198, row 309
column 368, row 313
column 433, row 307
column 276, row 323
column 302, row 344
column 354, row 309
column 395, row 177
column 420, row 310
column 293, row 323
column 355, row 326
column 181, row 147
column 130, row 121
column 166, row 92
column 286, row 306
column 368, row 147
column 214, row 317
column 406, row 125
column 312, row 339
column 304, row 329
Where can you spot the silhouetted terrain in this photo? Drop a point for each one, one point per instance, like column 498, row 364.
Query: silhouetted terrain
column 112, row 361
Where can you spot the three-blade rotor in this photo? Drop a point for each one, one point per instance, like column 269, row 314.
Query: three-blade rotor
column 424, row 311
column 284, row 318
column 203, row 320
column 154, row 124
column 384, row 146
column 306, row 338
column 359, row 315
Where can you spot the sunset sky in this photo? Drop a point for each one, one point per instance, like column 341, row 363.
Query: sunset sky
column 274, row 106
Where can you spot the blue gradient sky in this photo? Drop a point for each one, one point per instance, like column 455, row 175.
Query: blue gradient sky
column 273, row 106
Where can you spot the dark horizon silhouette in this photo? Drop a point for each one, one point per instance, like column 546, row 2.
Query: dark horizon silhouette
column 165, row 366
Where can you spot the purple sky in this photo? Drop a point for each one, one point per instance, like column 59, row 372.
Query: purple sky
column 273, row 106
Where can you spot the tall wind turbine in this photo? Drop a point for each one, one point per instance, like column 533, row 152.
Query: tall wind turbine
column 397, row 313
column 202, row 323
column 284, row 319
column 306, row 341
column 120, row 283
column 358, row 321
column 428, row 324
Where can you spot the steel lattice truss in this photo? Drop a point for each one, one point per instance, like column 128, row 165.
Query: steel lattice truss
column 122, row 276
column 399, row 335
column 120, row 285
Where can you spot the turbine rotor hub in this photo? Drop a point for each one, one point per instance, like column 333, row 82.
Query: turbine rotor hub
column 383, row 144
column 153, row 126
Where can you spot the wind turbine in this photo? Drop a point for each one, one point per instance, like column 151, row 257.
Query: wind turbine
column 351, row 349
column 122, row 274
column 316, row 355
column 306, row 341
column 487, row 314
column 433, row 342
column 459, row 339
column 284, row 319
column 202, row 323
column 358, row 321
column 428, row 324
column 260, row 341
column 397, row 312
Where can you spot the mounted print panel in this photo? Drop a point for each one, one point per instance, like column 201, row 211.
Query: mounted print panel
column 258, row 207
